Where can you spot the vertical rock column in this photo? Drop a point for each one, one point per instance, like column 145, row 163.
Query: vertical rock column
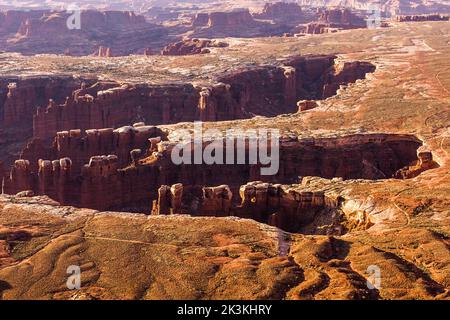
column 62, row 180
column 290, row 86
column 14, row 105
column 217, row 201
column 170, row 200
column 21, row 176
column 46, row 184
column 206, row 106
column 101, row 188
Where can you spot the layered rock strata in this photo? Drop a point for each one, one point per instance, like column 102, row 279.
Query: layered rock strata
column 20, row 96
column 192, row 46
column 234, row 95
column 425, row 17
column 294, row 209
column 60, row 32
column 103, row 184
column 80, row 146
column 230, row 19
column 289, row 13
column 235, row 23
column 424, row 163
column 334, row 19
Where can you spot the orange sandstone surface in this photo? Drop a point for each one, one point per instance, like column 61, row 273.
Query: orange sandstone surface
column 399, row 224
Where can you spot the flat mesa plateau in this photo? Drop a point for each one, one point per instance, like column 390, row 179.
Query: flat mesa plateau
column 401, row 226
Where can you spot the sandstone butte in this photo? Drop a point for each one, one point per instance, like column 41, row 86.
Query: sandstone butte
column 363, row 181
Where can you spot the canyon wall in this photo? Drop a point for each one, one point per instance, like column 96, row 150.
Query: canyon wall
column 103, row 185
column 19, row 97
column 234, row 96
column 280, row 10
column 236, row 23
column 226, row 19
column 11, row 20
column 80, row 146
column 118, row 105
column 36, row 32
column 291, row 209
column 425, row 17
column 307, row 77
column 332, row 19
column 288, row 13
column 191, row 46
column 345, row 73
column 52, row 104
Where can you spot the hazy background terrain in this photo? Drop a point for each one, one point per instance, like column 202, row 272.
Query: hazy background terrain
column 397, row 6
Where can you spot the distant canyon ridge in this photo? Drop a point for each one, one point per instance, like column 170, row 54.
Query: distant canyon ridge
column 108, row 30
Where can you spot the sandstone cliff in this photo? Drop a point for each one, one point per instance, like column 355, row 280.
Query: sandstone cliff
column 36, row 32
column 80, row 146
column 288, row 13
column 235, row 95
column 425, row 17
column 20, row 96
column 236, row 23
column 333, row 19
column 102, row 184
column 300, row 209
column 191, row 46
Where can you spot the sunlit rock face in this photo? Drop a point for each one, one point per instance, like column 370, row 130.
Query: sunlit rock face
column 391, row 7
column 90, row 174
column 35, row 32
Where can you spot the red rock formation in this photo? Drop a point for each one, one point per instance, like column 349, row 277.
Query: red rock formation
column 273, row 94
column 345, row 73
column 280, row 10
column 11, row 20
column 206, row 201
column 103, row 52
column 424, row 17
column 148, row 52
column 55, row 179
column 191, row 46
column 308, row 77
column 290, row 209
column 113, row 105
column 19, row 97
column 81, row 146
column 236, row 23
column 47, row 32
column 217, row 103
column 21, row 178
column 236, row 95
column 232, row 19
column 169, row 200
column 285, row 12
column 317, row 28
column 306, row 105
column 334, row 19
column 424, row 163
column 344, row 17
column 200, row 20
column 102, row 185
column 303, row 208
